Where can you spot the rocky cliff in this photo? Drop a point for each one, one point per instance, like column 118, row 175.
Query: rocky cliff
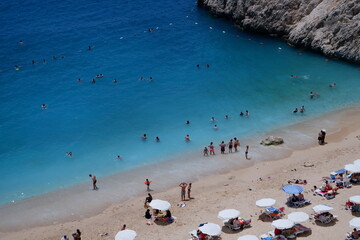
column 329, row 26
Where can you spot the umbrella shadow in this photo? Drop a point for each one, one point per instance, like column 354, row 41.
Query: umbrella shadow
column 305, row 234
column 330, row 224
column 227, row 230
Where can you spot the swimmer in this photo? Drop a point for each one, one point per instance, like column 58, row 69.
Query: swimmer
column 187, row 138
column 151, row 79
column 17, row 67
column 97, row 76
column 144, row 136
column 226, row 117
column 101, row 75
column 207, row 65
column 118, row 157
column 151, row 30
column 241, row 114
column 44, row 61
column 332, row 85
column 90, row 48
column 293, row 76
column 93, row 80
column 33, row 62
column 198, row 66
column 21, row 42
column 69, row 154
column 212, row 119
column 295, row 110
column 302, row 109
column 79, row 80
column 157, row 139
column 115, row 81
column 216, row 127
column 311, row 95
column 316, row 94
column 62, row 56
column 142, row 79
column 43, row 106
column 247, row 114
column 187, row 122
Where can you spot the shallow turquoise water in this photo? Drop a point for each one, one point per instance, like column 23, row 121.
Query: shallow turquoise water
column 99, row 121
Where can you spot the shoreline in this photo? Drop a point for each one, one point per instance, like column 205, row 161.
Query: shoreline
column 37, row 212
column 63, row 205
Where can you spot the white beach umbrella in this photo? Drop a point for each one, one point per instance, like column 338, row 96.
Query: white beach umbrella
column 248, row 237
column 210, row 229
column 322, row 208
column 126, row 234
column 228, row 214
column 160, row 205
column 265, row 202
column 352, row 168
column 357, row 162
column 298, row 217
column 355, row 199
column 355, row 223
column 283, row 224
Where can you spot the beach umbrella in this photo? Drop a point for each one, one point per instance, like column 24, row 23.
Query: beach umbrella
column 210, row 229
column 248, row 237
column 298, row 217
column 357, row 162
column 283, row 224
column 352, row 168
column 160, row 205
column 322, row 208
column 228, row 214
column 265, row 202
column 293, row 189
column 126, row 234
column 355, row 223
column 355, row 199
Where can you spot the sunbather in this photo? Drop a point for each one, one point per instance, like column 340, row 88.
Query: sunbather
column 301, row 197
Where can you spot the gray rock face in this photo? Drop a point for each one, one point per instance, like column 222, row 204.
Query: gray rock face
column 271, row 140
column 329, row 26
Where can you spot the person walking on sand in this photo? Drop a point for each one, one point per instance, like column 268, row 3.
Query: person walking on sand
column 246, row 152
column 147, row 182
column 183, row 190
column 189, row 191
column 323, row 136
column 77, row 235
column 212, row 148
column 94, row 180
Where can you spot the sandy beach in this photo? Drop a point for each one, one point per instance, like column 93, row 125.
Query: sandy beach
column 238, row 188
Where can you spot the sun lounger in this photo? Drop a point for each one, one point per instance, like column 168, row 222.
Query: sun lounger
column 297, row 203
column 326, row 195
column 269, row 237
column 244, row 223
column 324, row 219
column 299, row 229
column 274, row 213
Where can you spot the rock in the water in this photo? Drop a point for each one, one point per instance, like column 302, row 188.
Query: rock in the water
column 329, row 26
column 272, row 141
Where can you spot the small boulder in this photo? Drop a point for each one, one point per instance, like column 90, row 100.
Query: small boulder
column 271, row 140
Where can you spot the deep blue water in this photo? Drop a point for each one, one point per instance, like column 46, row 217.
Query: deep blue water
column 97, row 122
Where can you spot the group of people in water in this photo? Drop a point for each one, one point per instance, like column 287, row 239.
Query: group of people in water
column 233, row 143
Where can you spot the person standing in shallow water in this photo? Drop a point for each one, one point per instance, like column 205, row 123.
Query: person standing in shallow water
column 94, row 180
column 212, row 148
column 230, row 144
column 206, row 152
column 247, row 152
column 236, row 144
column 222, row 147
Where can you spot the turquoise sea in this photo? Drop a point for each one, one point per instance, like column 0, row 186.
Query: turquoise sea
column 98, row 121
